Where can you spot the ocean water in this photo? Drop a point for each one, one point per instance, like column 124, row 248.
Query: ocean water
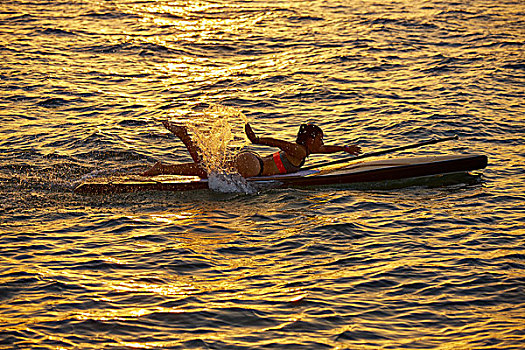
column 434, row 264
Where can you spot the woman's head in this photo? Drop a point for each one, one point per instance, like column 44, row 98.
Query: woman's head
column 307, row 131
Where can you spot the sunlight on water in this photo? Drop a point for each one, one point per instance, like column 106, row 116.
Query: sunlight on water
column 434, row 264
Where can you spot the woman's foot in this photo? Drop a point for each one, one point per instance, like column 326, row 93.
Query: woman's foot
column 180, row 131
column 156, row 169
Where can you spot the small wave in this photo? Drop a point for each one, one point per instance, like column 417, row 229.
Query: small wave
column 214, row 47
column 305, row 18
column 416, row 24
column 517, row 66
column 382, row 67
column 359, row 335
column 445, row 64
column 57, row 31
column 109, row 154
column 132, row 122
column 348, row 230
column 52, row 102
column 143, row 49
column 110, row 15
column 20, row 98
column 22, row 18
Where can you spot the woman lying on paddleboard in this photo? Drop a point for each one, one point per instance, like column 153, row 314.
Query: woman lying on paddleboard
column 289, row 159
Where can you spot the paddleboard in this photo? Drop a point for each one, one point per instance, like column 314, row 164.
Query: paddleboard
column 363, row 171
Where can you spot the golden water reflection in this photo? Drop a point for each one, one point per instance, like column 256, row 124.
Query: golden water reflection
column 74, row 87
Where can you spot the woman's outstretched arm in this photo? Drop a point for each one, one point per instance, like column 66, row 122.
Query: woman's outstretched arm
column 352, row 149
column 294, row 149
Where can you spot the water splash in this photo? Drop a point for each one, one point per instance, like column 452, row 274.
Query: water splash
column 229, row 182
column 219, row 134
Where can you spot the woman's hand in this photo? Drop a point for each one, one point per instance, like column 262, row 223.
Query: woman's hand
column 353, row 149
column 166, row 123
column 251, row 135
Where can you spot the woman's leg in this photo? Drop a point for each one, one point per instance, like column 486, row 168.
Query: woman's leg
column 194, row 169
column 176, row 169
column 181, row 132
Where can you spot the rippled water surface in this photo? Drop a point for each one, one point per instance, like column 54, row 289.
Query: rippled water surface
column 437, row 263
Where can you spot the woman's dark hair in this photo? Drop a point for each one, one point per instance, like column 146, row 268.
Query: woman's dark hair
column 307, row 131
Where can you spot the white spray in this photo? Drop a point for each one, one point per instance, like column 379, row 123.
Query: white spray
column 216, row 134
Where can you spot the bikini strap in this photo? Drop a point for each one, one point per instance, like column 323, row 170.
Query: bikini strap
column 283, row 163
column 279, row 163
